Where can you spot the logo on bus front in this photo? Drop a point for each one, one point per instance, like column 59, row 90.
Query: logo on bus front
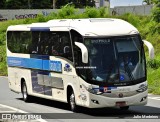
column 67, row 68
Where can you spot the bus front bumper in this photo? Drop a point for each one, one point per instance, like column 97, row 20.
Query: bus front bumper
column 99, row 101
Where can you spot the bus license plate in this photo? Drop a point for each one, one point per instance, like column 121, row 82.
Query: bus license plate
column 120, row 104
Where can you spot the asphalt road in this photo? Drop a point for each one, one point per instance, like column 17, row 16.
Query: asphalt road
column 57, row 111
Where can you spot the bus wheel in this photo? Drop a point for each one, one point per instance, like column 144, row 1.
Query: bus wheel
column 25, row 95
column 72, row 102
column 124, row 108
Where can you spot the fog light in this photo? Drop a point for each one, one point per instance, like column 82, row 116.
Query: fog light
column 95, row 101
column 93, row 90
column 143, row 99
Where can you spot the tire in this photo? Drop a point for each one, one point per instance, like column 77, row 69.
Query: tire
column 124, row 108
column 25, row 95
column 72, row 102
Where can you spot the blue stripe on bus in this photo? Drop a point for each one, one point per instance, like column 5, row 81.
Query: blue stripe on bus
column 34, row 63
column 40, row 29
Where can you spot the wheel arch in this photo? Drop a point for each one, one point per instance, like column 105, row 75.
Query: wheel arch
column 70, row 89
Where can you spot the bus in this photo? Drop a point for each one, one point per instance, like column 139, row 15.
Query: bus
column 94, row 62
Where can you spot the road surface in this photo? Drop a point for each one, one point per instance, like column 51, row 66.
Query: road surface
column 56, row 111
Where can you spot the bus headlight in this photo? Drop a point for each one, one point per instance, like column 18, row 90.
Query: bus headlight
column 142, row 88
column 93, row 90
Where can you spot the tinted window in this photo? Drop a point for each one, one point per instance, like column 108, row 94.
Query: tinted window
column 40, row 42
column 19, row 42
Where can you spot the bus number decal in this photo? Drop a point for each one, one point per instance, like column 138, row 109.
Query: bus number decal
column 56, row 66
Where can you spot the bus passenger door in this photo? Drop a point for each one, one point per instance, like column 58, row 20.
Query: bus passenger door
column 40, row 77
column 46, row 76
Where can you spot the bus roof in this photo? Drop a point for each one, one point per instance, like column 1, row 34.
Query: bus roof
column 86, row 27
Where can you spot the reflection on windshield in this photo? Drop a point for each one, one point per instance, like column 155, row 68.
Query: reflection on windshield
column 115, row 60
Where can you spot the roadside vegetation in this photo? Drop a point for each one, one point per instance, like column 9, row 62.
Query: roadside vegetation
column 149, row 27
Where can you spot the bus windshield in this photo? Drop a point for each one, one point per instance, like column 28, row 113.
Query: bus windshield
column 115, row 61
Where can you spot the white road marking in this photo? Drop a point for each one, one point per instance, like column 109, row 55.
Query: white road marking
column 4, row 77
column 7, row 111
column 15, row 109
column 154, row 98
column 20, row 111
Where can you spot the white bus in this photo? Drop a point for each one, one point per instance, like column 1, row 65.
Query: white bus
column 93, row 63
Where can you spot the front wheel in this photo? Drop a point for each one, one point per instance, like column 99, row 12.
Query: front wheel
column 72, row 102
column 25, row 95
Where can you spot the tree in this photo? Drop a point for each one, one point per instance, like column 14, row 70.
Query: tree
column 76, row 3
column 2, row 4
column 156, row 11
column 148, row 2
column 41, row 4
column 25, row 4
column 13, row 4
column 60, row 3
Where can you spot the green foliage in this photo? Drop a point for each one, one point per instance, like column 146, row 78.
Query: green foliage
column 153, row 80
column 2, row 4
column 3, row 67
column 131, row 18
column 2, row 38
column 154, row 64
column 104, row 12
column 76, row 3
column 156, row 11
column 148, row 2
column 65, row 12
column 91, row 12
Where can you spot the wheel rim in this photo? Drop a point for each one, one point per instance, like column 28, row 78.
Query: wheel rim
column 72, row 101
column 24, row 92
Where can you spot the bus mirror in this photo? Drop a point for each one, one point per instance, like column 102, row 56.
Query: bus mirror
column 84, row 51
column 150, row 48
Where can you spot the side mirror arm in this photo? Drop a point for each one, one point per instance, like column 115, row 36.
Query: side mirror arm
column 150, row 48
column 84, row 51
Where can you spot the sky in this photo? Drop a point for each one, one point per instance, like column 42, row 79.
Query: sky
column 125, row 2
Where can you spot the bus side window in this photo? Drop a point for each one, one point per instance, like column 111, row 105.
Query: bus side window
column 25, row 39
column 54, row 44
column 19, row 41
column 35, row 40
column 66, row 46
column 61, row 45
column 76, row 37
